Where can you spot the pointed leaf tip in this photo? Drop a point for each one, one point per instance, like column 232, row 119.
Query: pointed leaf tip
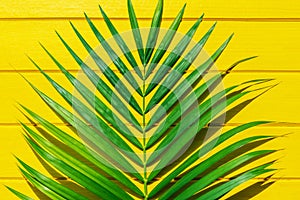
column 102, row 11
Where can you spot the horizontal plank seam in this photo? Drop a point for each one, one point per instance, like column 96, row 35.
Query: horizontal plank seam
column 165, row 18
column 221, row 179
column 76, row 71
column 276, row 124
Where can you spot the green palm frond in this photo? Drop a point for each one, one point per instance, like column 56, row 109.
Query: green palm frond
column 135, row 127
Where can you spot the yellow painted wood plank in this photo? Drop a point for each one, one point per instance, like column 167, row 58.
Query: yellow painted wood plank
column 13, row 143
column 279, row 190
column 277, row 44
column 144, row 8
column 278, row 104
column 15, row 90
column 23, row 187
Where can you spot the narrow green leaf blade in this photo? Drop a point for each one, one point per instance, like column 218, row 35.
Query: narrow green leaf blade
column 84, row 151
column 90, row 134
column 173, row 57
column 126, row 51
column 98, row 105
column 163, row 46
column 109, row 74
column 178, row 112
column 181, row 109
column 239, row 62
column 190, row 80
column 72, row 173
column 113, row 56
column 75, row 163
column 106, row 92
column 48, row 192
column 225, row 188
column 214, row 175
column 51, row 184
column 18, row 194
column 175, row 74
column 203, row 151
column 154, row 31
column 180, row 140
column 206, row 164
column 90, row 117
column 185, row 104
column 184, row 86
column 136, row 31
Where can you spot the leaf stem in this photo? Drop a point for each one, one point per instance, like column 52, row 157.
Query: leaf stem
column 144, row 137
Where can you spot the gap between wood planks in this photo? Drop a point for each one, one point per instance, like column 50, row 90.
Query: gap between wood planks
column 195, row 179
column 275, row 124
column 76, row 71
column 165, row 18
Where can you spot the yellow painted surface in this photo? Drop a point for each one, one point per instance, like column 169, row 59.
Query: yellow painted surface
column 116, row 8
column 264, row 39
column 269, row 106
column 269, row 29
column 274, row 191
column 288, row 168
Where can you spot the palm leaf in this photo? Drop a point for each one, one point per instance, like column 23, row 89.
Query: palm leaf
column 50, row 193
column 116, row 60
column 71, row 172
column 119, row 41
column 154, row 31
column 19, row 194
column 62, row 191
column 208, row 163
column 109, row 74
column 136, row 31
column 175, row 114
column 102, row 87
column 73, row 162
column 214, row 175
column 173, row 56
column 225, row 188
column 166, row 41
column 89, row 133
column 86, row 114
column 117, row 146
column 176, row 140
column 203, row 150
column 178, row 71
column 83, row 150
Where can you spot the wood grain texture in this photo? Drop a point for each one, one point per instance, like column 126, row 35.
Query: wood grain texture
column 287, row 137
column 277, row 44
column 271, row 190
column 269, row 29
column 144, row 8
column 278, row 104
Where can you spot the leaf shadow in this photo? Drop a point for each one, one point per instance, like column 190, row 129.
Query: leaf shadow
column 227, row 116
column 242, row 150
column 237, row 153
column 68, row 184
column 214, row 127
column 62, row 179
column 251, row 191
column 38, row 193
column 245, row 194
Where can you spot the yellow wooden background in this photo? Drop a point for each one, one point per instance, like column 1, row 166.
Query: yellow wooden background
column 269, row 29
